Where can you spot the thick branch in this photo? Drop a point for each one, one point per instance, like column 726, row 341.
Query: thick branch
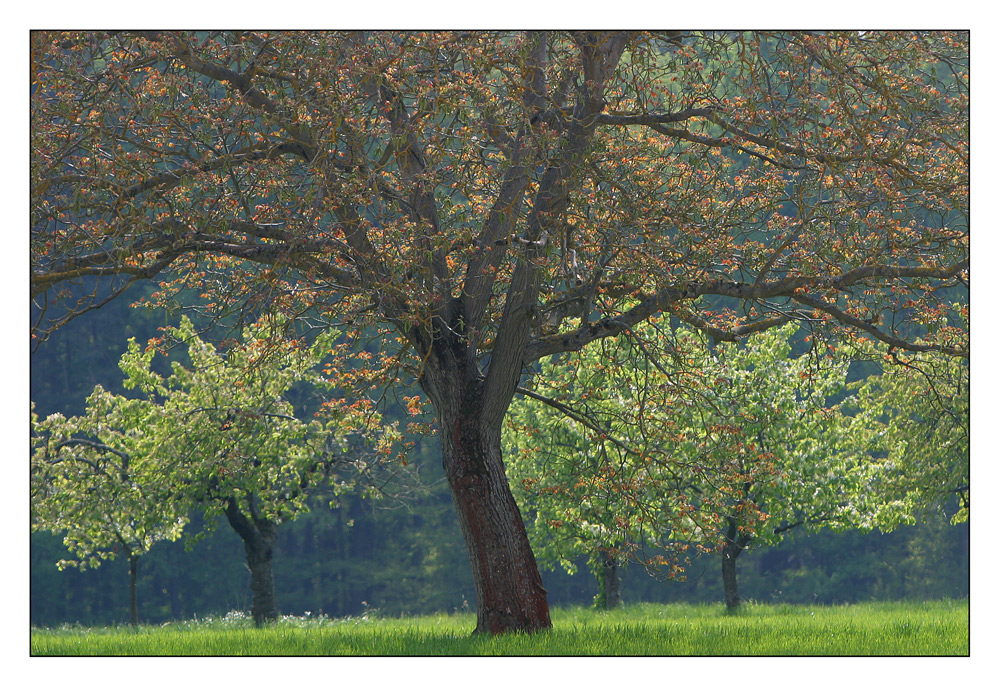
column 240, row 522
column 793, row 287
column 600, row 54
column 577, row 417
column 168, row 180
column 42, row 282
column 164, row 245
column 502, row 217
column 241, row 82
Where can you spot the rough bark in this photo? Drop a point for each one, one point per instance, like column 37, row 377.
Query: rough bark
column 507, row 582
column 508, row 585
column 259, row 535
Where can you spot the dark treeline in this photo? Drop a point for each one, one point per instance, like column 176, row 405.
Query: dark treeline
column 407, row 557
column 396, row 562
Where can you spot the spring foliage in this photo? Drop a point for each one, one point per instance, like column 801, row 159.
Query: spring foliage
column 918, row 412
column 612, row 453
column 219, row 427
column 394, row 174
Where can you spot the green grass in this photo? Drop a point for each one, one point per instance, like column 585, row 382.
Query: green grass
column 874, row 629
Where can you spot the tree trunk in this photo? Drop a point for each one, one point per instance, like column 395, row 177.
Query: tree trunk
column 609, row 582
column 736, row 543
column 259, row 535
column 508, row 585
column 259, row 554
column 133, row 605
column 507, row 582
column 729, row 580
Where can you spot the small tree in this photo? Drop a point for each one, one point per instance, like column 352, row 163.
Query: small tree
column 92, row 478
column 716, row 449
column 219, row 434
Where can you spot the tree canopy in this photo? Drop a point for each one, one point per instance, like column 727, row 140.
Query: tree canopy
column 88, row 481
column 404, row 164
column 918, row 413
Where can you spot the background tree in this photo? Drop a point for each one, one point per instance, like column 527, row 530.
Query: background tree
column 94, row 479
column 220, row 435
column 485, row 200
column 725, row 448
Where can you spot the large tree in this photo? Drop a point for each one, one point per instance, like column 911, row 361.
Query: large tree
column 484, row 200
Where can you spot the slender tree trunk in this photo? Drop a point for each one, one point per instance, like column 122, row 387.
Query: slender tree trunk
column 729, row 580
column 259, row 554
column 606, row 570
column 736, row 543
column 133, row 605
column 259, row 535
column 610, row 582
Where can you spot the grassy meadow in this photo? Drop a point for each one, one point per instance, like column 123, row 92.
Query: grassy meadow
column 873, row 629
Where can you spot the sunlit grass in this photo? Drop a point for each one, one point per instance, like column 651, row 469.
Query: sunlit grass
column 876, row 629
